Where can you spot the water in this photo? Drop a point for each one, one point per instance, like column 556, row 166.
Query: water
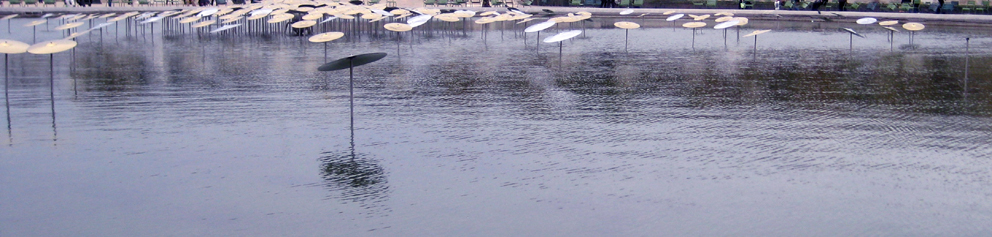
column 461, row 134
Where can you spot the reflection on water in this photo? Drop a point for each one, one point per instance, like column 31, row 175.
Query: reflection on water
column 358, row 178
column 487, row 133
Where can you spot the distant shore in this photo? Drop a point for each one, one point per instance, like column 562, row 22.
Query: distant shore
column 802, row 15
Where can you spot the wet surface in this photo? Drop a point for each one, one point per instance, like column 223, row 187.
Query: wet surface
column 483, row 132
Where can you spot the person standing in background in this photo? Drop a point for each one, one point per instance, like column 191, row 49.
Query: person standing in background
column 817, row 4
column 841, row 4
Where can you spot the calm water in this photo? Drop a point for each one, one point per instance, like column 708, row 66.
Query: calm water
column 461, row 134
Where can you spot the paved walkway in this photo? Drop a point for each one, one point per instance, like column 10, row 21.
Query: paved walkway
column 942, row 19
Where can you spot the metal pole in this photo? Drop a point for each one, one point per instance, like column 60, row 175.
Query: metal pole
column 738, row 34
column 51, row 86
column 755, row 44
column 6, row 94
column 724, row 38
column 892, row 39
column 967, row 50
column 525, row 34
column 694, row 38
column 74, row 91
column 351, row 95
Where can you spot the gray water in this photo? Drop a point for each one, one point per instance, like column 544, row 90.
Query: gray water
column 461, row 134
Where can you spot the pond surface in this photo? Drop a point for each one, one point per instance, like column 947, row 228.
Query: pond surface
column 464, row 132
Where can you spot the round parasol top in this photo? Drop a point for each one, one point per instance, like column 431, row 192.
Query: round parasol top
column 69, row 26
column 51, row 46
column 418, row 20
column 726, row 24
column 539, row 26
column 303, row 24
column 13, row 46
column 562, row 36
column 695, row 24
column 223, row 28
column 280, row 18
column 913, row 26
column 398, row 27
column 740, row 20
column 34, row 23
column 626, row 25
column 202, row 24
column 76, row 34
column 866, row 21
column 757, row 32
column 189, row 19
column 887, row 23
column 351, row 61
column 324, row 37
